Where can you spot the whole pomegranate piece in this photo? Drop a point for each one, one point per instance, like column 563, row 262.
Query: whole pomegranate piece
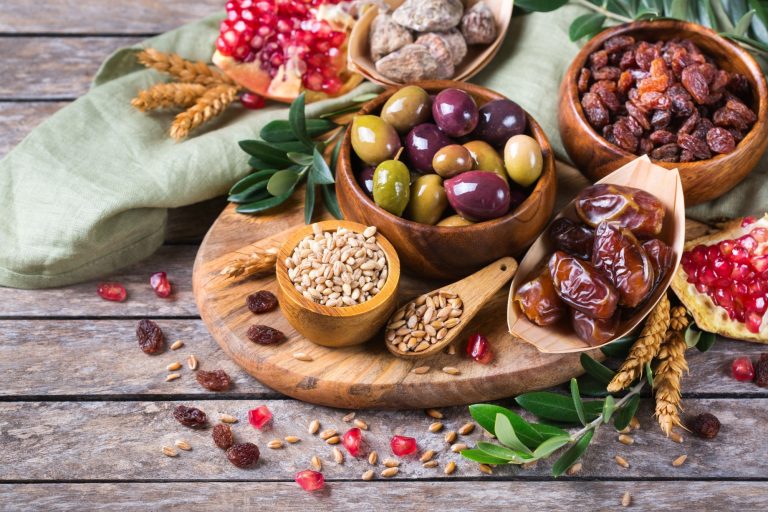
column 402, row 445
column 742, row 369
column 353, row 441
column 112, row 291
column 161, row 285
column 310, row 480
column 259, row 416
column 479, row 348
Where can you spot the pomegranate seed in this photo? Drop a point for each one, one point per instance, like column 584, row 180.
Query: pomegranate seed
column 479, row 348
column 402, row 445
column 310, row 480
column 753, row 321
column 161, row 285
column 353, row 441
column 742, row 369
column 259, row 416
column 112, row 291
column 747, row 221
column 252, row 101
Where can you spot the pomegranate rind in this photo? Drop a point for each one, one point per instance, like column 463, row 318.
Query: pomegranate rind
column 709, row 316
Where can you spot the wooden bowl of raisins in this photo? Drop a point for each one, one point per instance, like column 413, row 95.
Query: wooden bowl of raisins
column 676, row 91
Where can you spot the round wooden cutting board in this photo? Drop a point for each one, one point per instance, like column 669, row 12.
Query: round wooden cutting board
column 364, row 376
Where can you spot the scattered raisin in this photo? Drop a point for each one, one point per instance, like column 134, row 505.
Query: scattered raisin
column 243, row 455
column 190, row 416
column 216, row 380
column 761, row 371
column 705, row 425
column 150, row 336
column 262, row 301
column 222, row 436
column 265, row 335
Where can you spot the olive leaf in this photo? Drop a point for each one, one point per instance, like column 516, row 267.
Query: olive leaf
column 649, row 373
column 252, row 193
column 320, row 171
column 619, row 348
column 550, row 446
column 300, row 158
column 264, row 204
column 506, row 435
column 577, row 402
column 573, row 454
column 589, row 386
column 309, row 199
column 692, row 336
column 555, row 407
column 609, row 406
column 264, row 152
column 624, row 415
column 706, row 341
column 283, row 181
column 540, row 5
column 298, row 121
column 585, row 25
column 485, row 416
column 251, row 179
column 482, row 457
column 597, row 370
column 330, row 201
column 502, row 452
column 281, row 131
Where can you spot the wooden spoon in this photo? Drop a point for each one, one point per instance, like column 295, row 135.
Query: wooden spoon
column 475, row 291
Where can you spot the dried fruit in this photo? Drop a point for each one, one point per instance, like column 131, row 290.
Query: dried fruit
column 582, row 287
column 411, row 63
column 478, row 24
column 539, row 301
column 222, row 436
column 720, row 140
column 259, row 416
column 114, row 292
column 632, row 208
column 190, row 416
column 705, row 425
column 387, row 36
column 761, row 371
column 572, row 237
column 310, row 480
column 429, row 15
column 661, row 255
column 216, row 380
column 594, row 331
column 159, row 282
column 265, row 335
column 243, row 455
column 150, row 337
column 479, row 348
column 262, row 301
column 353, row 441
column 742, row 369
column 618, row 255
column 403, row 445
column 252, row 101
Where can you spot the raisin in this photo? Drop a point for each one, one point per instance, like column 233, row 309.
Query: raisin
column 645, row 53
column 222, row 436
column 628, row 60
column 661, row 137
column 697, row 147
column 216, row 380
column 705, row 425
column 262, row 301
column 595, row 110
column 618, row 43
column 190, row 416
column 738, row 85
column 638, row 114
column 598, row 60
column 761, row 371
column 625, row 82
column 607, row 73
column 150, row 337
column 702, row 128
column 689, row 124
column 737, row 135
column 265, row 335
column 583, row 82
column 686, row 156
column 243, row 455
column 659, row 79
column 654, row 101
column 660, row 119
column 606, row 89
column 624, row 135
column 720, row 81
column 666, row 153
column 695, row 83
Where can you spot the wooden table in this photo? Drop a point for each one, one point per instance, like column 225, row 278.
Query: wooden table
column 84, row 414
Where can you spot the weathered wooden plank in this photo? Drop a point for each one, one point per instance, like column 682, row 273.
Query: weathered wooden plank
column 349, row 496
column 51, row 67
column 189, row 224
column 122, row 441
column 97, row 16
column 18, row 119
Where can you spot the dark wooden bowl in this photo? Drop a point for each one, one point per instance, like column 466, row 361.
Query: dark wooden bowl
column 450, row 252
column 703, row 180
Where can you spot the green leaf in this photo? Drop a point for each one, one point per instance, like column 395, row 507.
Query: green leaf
column 597, row 370
column 335, row 152
column 540, row 5
column 584, row 25
column 646, row 14
column 623, row 416
column 577, row 403
column 251, row 179
column 302, row 159
column 293, row 146
column 572, row 455
column 330, row 201
column 320, row 171
column 362, row 98
column 309, row 199
column 678, row 10
column 619, row 348
column 649, row 373
column 264, row 152
column 692, row 336
column 250, row 194
column 528, row 433
column 344, row 110
column 482, row 457
column 282, row 182
column 555, row 407
column 263, row 205
column 550, row 446
column 543, row 430
column 618, row 7
column 721, row 16
column 609, row 406
column 763, row 47
column 706, row 341
column 298, row 121
column 761, row 10
column 589, row 386
column 742, row 26
column 502, row 452
column 506, row 434
column 280, row 130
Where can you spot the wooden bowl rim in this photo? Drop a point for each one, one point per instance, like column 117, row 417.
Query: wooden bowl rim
column 531, row 203
column 380, row 299
column 572, row 94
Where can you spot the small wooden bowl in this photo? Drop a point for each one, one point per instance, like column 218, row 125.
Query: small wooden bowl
column 703, row 180
column 451, row 252
column 478, row 56
column 336, row 326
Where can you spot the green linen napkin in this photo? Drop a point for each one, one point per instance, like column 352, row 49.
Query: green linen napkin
column 88, row 190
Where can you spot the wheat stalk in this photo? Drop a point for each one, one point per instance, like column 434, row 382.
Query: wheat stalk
column 168, row 96
column 645, row 348
column 196, row 72
column 669, row 372
column 262, row 260
column 209, row 105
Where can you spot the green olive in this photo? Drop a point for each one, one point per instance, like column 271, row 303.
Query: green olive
column 452, row 160
column 428, row 200
column 523, row 160
column 406, row 108
column 373, row 139
column 390, row 186
column 485, row 158
column 455, row 221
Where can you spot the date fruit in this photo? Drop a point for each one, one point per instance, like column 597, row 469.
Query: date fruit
column 572, row 237
column 190, row 416
column 216, row 380
column 594, row 331
column 582, row 287
column 618, row 255
column 661, row 256
column 150, row 337
column 632, row 208
column 539, row 301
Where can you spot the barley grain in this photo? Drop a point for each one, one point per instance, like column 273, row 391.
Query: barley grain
column 181, row 444
column 450, row 468
column 316, row 463
column 436, row 427
column 314, row 426
column 227, row 418
column 177, row 345
column 349, row 417
column 373, row 458
column 172, row 376
column 450, row 436
column 275, row 444
column 679, row 461
column 626, row 500
column 434, row 413
column 169, row 452
column 173, row 366
column 338, row 456
column 621, row 461
column 427, row 455
column 390, row 472
column 485, row 468
column 368, row 475
column 466, row 428
column 292, row 439
column 430, row 464
column 360, row 424
column 391, row 463
column 625, row 439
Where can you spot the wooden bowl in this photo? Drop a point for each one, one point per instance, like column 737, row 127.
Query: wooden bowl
column 336, row 326
column 451, row 252
column 478, row 56
column 703, row 180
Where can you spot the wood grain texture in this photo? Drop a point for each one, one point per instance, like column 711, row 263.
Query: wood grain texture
column 379, row 495
column 122, row 441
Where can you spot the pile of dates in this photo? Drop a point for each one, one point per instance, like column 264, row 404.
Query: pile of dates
column 603, row 267
column 436, row 160
column 665, row 99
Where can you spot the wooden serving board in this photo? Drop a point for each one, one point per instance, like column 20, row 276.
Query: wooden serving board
column 363, row 376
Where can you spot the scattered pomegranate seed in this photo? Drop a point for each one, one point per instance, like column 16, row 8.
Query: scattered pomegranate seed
column 259, row 416
column 353, row 441
column 112, row 291
column 479, row 348
column 161, row 285
column 402, row 445
column 310, row 480
column 742, row 369
column 252, row 101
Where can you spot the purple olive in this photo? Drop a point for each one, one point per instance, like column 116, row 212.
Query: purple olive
column 455, row 112
column 421, row 144
column 499, row 120
column 365, row 179
column 478, row 195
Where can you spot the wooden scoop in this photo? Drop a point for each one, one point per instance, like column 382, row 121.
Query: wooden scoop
column 474, row 291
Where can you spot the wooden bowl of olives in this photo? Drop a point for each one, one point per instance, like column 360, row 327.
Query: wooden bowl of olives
column 454, row 175
column 676, row 91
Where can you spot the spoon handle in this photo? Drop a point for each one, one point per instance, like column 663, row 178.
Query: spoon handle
column 476, row 289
